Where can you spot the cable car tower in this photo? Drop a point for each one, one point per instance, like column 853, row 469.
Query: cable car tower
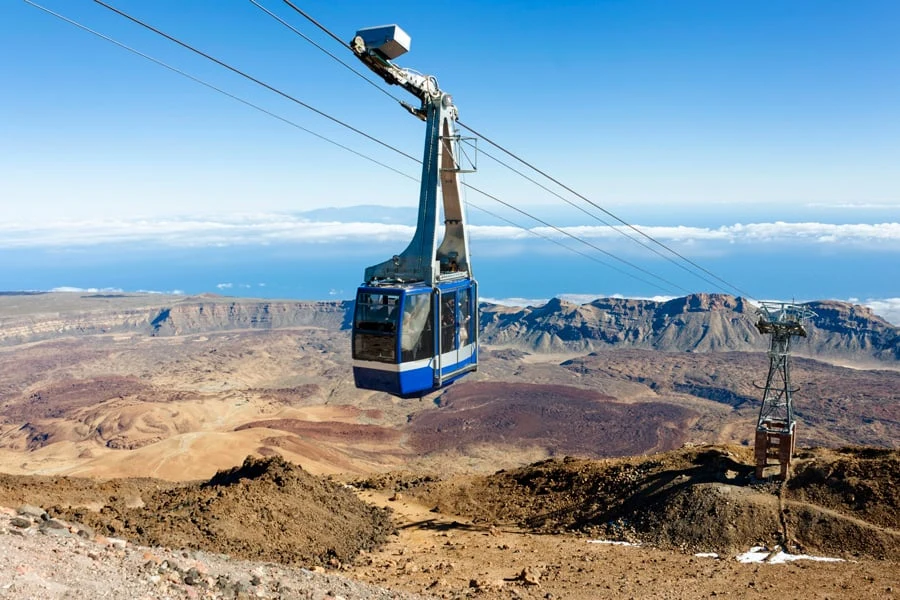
column 775, row 427
column 415, row 326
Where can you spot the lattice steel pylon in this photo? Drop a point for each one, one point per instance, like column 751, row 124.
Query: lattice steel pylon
column 775, row 428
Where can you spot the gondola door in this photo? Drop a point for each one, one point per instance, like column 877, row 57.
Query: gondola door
column 455, row 324
column 449, row 355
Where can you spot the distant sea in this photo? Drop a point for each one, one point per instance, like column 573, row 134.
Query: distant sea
column 248, row 259
column 311, row 272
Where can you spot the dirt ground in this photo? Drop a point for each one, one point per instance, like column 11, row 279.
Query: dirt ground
column 539, row 531
column 265, row 509
column 452, row 557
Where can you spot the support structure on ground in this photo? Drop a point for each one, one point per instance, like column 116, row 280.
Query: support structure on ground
column 775, row 429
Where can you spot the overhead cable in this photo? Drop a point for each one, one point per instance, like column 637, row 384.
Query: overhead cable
column 594, row 216
column 287, row 121
column 554, row 180
column 598, row 207
column 317, row 45
column 550, row 239
column 253, row 79
column 219, row 90
column 502, row 163
column 583, row 241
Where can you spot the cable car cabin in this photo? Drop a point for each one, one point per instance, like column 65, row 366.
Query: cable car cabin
column 410, row 340
column 415, row 326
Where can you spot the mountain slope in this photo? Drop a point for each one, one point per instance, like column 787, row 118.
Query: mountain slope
column 694, row 323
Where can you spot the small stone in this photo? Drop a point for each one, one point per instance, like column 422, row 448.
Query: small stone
column 84, row 531
column 397, row 496
column 530, row 576
column 55, row 532
column 20, row 522
column 116, row 543
column 55, row 524
column 35, row 512
column 410, row 567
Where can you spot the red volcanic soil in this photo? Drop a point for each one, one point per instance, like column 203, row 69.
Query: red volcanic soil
column 290, row 396
column 328, row 430
column 63, row 398
column 562, row 419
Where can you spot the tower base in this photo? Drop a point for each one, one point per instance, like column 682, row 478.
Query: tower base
column 774, row 440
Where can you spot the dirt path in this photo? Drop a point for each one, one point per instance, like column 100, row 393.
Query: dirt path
column 451, row 557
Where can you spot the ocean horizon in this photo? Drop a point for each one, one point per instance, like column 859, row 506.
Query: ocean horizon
column 310, row 272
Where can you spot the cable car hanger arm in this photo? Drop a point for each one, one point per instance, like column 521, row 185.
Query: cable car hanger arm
column 377, row 46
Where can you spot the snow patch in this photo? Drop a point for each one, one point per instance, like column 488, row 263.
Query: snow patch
column 761, row 554
column 614, row 542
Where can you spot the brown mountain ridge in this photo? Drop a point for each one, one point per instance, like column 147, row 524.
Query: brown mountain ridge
column 694, row 323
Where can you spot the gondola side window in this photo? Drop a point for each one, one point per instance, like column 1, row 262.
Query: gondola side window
column 465, row 316
column 448, row 322
column 375, row 322
column 417, row 333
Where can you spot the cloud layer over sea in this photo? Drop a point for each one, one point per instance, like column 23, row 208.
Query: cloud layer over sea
column 321, row 254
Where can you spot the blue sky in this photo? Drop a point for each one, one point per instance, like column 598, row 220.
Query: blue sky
column 760, row 126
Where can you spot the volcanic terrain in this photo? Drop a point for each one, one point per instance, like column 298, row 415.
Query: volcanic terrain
column 233, row 426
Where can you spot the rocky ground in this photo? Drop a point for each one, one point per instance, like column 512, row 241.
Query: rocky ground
column 678, row 520
column 48, row 558
column 125, row 425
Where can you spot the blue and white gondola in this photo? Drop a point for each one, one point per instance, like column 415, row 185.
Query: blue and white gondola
column 411, row 340
column 415, row 324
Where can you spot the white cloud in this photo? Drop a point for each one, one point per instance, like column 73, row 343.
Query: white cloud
column 887, row 308
column 516, row 301
column 92, row 290
column 573, row 298
column 169, row 293
column 230, row 230
column 854, row 206
column 224, row 286
column 271, row 228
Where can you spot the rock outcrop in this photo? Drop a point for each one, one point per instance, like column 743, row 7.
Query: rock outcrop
column 67, row 314
column 694, row 323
